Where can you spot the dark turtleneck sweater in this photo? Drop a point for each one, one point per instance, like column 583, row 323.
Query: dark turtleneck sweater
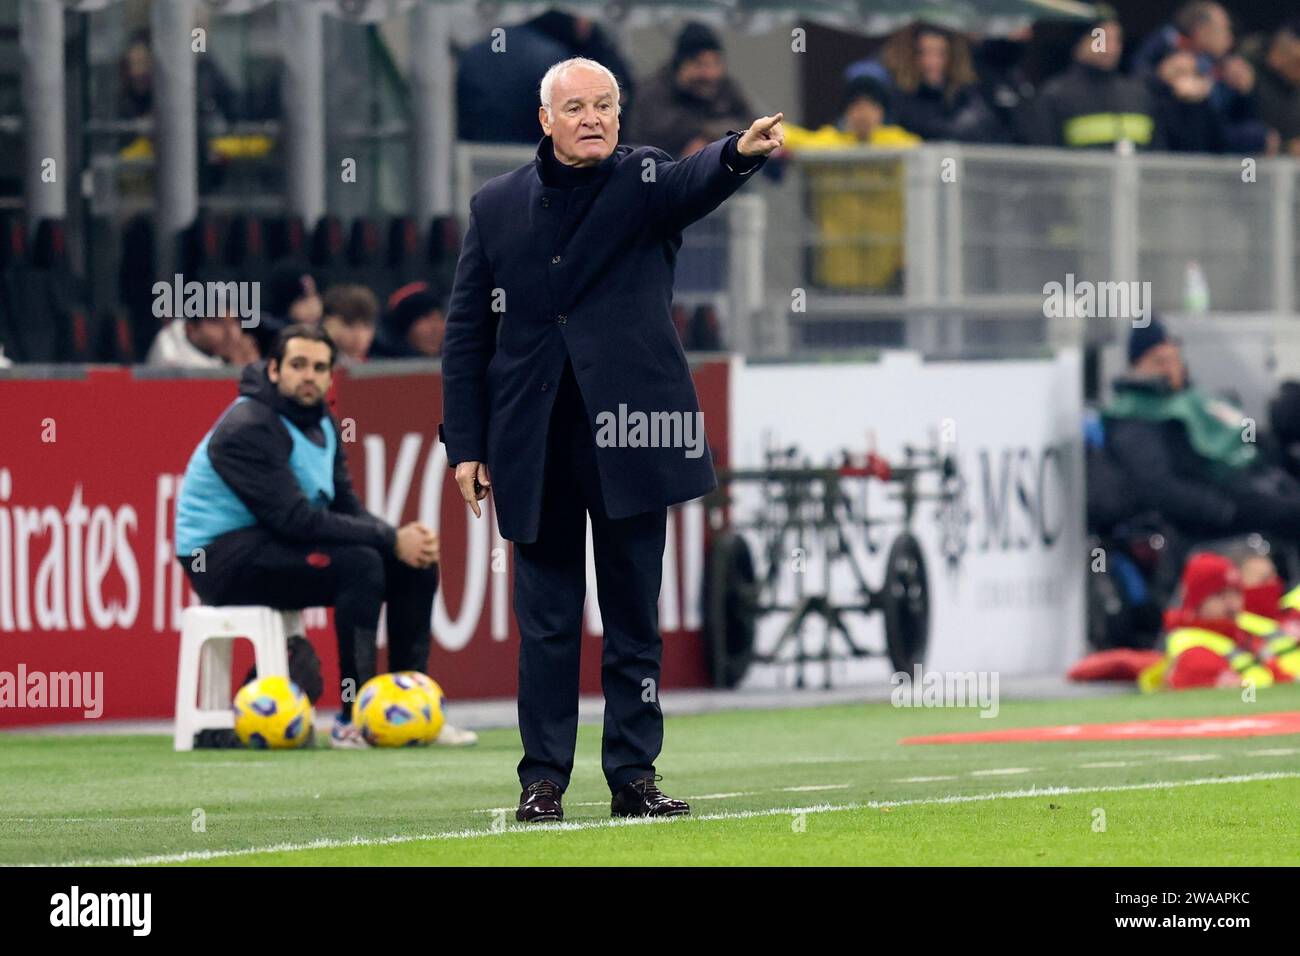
column 560, row 175
column 569, row 407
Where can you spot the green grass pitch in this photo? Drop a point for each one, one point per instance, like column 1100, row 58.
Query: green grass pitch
column 824, row 785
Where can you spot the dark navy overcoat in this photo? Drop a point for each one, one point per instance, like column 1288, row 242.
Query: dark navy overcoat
column 584, row 272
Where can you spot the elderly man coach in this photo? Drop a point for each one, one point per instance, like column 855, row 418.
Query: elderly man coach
column 559, row 315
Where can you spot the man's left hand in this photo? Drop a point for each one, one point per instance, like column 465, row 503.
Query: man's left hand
column 763, row 137
column 431, row 551
column 418, row 545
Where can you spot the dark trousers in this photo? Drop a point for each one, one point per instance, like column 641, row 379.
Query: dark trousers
column 549, row 590
column 252, row 566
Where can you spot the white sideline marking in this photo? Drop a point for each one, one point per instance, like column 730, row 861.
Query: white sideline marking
column 159, row 817
column 73, row 819
column 809, row 789
column 721, row 796
column 926, row 779
column 999, row 771
column 194, row 856
column 1106, row 764
column 1192, row 758
column 1273, row 752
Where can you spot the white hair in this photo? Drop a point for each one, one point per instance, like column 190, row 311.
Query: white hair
column 564, row 66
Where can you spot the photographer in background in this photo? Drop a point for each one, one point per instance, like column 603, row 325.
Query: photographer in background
column 1187, row 455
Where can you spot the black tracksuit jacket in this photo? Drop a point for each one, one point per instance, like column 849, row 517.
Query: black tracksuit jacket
column 250, row 450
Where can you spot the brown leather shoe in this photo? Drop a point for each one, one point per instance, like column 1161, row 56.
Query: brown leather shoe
column 641, row 798
column 540, row 803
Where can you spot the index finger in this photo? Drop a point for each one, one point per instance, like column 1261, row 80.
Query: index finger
column 767, row 122
column 467, row 492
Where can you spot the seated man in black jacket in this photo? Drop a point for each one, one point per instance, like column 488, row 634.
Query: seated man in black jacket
column 1189, row 457
column 267, row 515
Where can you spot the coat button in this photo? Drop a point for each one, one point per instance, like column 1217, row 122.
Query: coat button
column 545, row 386
column 555, row 260
column 546, row 201
column 561, row 318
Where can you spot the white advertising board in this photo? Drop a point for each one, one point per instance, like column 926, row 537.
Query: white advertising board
column 1006, row 559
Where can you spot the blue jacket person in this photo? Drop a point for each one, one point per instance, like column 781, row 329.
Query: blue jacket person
column 559, row 322
column 267, row 515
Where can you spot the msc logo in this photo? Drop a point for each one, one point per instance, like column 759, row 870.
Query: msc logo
column 1018, row 501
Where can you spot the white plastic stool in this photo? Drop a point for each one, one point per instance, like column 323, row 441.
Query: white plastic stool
column 203, row 673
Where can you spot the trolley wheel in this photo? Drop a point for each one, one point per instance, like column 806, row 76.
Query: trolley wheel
column 905, row 600
column 730, row 602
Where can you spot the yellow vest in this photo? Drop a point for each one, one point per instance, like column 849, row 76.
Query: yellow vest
column 1100, row 129
column 858, row 208
column 1240, row 660
column 1277, row 642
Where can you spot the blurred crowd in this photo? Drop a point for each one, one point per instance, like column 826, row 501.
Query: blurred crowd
column 408, row 324
column 1191, row 86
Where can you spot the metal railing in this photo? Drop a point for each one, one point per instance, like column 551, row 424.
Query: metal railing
column 946, row 248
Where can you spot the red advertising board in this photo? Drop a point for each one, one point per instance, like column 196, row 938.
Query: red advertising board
column 89, row 469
